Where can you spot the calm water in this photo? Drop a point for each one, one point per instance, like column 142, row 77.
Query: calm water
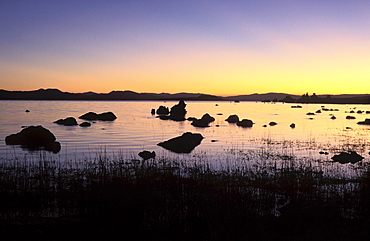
column 135, row 129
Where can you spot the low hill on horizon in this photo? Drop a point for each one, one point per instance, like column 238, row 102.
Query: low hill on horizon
column 56, row 94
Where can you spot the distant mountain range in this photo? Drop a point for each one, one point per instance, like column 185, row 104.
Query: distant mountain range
column 55, row 94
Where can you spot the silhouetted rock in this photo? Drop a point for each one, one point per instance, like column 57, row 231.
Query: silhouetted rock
column 33, row 137
column 69, row 121
column 296, row 106
column 366, row 122
column 350, row 157
column 318, row 111
column 178, row 111
column 147, row 154
column 27, row 111
column 310, row 113
column 333, row 117
column 152, row 111
column 245, row 123
column 204, row 121
column 232, row 119
column 292, row 125
column 107, row 116
column 348, row 117
column 53, row 147
column 182, row 144
column 85, row 124
column 272, row 123
column 162, row 110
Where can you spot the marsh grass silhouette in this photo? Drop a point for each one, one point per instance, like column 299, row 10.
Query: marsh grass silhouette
column 167, row 199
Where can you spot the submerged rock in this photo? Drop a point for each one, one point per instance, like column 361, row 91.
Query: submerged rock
column 182, row 144
column 69, row 121
column 34, row 137
column 107, row 116
column 347, row 157
column 366, row 122
column 147, row 155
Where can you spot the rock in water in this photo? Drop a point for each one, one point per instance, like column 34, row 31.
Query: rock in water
column 69, row 121
column 107, row 116
column 162, row 110
column 232, row 119
column 366, row 122
column 347, row 157
column 204, row 121
column 34, row 137
column 147, row 155
column 245, row 123
column 178, row 111
column 182, row 144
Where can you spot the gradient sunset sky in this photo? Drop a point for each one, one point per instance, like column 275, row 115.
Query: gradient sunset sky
column 214, row 47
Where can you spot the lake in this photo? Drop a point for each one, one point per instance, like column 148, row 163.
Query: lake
column 135, row 129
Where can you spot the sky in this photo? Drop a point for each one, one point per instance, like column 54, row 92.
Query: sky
column 220, row 47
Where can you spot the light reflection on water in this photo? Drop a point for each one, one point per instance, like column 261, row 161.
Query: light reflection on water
column 136, row 129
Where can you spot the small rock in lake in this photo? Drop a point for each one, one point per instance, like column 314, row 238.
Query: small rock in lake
column 107, row 116
column 162, row 110
column 27, row 111
column 347, row 157
column 147, row 155
column 152, row 111
column 85, row 124
column 214, row 140
column 245, row 123
column 264, row 126
column 366, row 122
column 69, row 121
column 310, row 113
column 232, row 119
column 292, row 125
column 333, row 117
column 272, row 123
column 182, row 144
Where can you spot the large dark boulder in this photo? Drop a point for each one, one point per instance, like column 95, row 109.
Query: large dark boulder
column 366, row 122
column 347, row 157
column 69, row 121
column 245, row 123
column 178, row 111
column 107, row 116
column 182, row 144
column 204, row 121
column 34, row 137
column 232, row 119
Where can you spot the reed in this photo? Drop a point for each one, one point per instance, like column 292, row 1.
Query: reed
column 189, row 199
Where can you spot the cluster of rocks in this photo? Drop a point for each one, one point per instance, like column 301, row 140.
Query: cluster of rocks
column 90, row 116
column 177, row 112
column 38, row 137
column 242, row 123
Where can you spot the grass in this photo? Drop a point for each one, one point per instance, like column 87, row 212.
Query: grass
column 259, row 195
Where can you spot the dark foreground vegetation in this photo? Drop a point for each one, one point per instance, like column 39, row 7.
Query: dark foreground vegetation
column 161, row 199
